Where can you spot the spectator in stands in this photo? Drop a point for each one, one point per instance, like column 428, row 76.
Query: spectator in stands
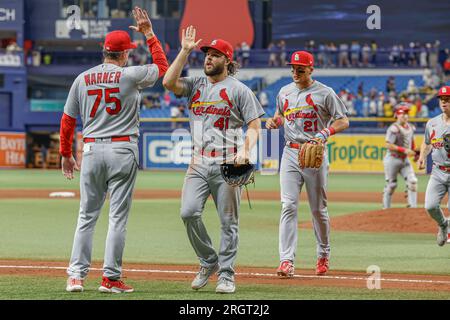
column 273, row 61
column 412, row 88
column 423, row 111
column 388, row 110
column 447, row 68
column 380, row 104
column 390, row 85
column 166, row 99
column 355, row 50
column 423, row 56
column 47, row 59
column 348, row 98
column 434, row 55
column 412, row 62
column 394, row 56
column 245, row 54
column 332, row 54
column 321, row 55
column 343, row 55
column 361, row 90
column 13, row 47
column 263, row 99
column 365, row 106
column 176, row 112
column 374, row 49
column 283, row 53
column 366, row 52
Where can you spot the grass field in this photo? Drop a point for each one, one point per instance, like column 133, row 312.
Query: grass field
column 42, row 229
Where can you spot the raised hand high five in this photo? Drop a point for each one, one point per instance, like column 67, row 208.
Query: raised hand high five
column 144, row 25
column 188, row 39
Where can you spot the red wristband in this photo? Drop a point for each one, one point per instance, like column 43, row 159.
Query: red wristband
column 332, row 130
column 401, row 149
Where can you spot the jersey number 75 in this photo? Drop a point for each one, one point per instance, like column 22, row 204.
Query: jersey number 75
column 108, row 99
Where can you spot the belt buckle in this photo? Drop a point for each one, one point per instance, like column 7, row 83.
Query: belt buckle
column 104, row 140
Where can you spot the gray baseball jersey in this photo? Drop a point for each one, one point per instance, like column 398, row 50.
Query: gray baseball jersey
column 306, row 112
column 217, row 113
column 397, row 163
column 435, row 131
column 439, row 182
column 107, row 99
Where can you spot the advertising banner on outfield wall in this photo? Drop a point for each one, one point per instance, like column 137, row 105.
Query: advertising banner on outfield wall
column 12, row 150
column 166, row 151
column 360, row 153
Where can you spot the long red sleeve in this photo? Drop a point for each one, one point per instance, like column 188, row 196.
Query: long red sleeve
column 66, row 135
column 159, row 58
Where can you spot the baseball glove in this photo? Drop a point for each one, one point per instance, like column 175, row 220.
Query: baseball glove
column 311, row 154
column 237, row 176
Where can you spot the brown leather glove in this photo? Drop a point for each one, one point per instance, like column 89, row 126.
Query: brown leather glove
column 311, row 154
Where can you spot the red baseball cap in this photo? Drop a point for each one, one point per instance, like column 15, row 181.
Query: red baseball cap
column 444, row 91
column 302, row 58
column 401, row 109
column 117, row 41
column 220, row 45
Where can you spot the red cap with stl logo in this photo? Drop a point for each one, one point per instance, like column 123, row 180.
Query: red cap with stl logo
column 117, row 41
column 302, row 58
column 220, row 45
column 444, row 91
column 401, row 109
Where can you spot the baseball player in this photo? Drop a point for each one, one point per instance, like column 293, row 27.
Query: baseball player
column 437, row 141
column 400, row 145
column 308, row 110
column 219, row 106
column 107, row 98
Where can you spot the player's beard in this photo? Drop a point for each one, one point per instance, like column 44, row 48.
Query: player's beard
column 214, row 71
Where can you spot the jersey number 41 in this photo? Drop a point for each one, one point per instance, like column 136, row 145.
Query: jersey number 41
column 108, row 99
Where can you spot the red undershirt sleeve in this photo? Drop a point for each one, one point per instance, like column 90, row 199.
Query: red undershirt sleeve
column 66, row 133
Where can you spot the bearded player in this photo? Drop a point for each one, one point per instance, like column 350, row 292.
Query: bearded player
column 308, row 110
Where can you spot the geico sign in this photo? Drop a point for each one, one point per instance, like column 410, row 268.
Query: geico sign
column 7, row 14
column 164, row 151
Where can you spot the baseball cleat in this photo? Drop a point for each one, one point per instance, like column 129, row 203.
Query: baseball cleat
column 202, row 277
column 225, row 285
column 322, row 266
column 442, row 234
column 286, row 269
column 114, row 286
column 74, row 285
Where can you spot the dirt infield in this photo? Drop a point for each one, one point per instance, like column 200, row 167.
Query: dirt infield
column 256, row 195
column 398, row 220
column 185, row 273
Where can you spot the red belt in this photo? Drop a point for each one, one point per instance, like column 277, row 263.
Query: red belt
column 113, row 139
column 213, row 153
column 398, row 156
column 294, row 145
column 443, row 168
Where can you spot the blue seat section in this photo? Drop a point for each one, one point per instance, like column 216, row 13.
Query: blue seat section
column 338, row 83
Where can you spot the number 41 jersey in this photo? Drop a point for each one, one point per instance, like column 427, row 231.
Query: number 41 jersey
column 308, row 111
column 107, row 98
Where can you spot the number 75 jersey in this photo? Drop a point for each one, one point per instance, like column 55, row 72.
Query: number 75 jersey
column 308, row 111
column 107, row 98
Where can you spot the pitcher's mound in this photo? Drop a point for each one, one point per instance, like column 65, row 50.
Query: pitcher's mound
column 390, row 220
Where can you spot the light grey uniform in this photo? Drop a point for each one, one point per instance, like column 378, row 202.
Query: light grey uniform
column 107, row 98
column 306, row 112
column 398, row 163
column 439, row 182
column 217, row 113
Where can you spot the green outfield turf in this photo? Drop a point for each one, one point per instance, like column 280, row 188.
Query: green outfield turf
column 53, row 179
column 17, row 288
column 43, row 229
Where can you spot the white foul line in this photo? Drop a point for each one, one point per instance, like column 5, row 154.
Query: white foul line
column 243, row 274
